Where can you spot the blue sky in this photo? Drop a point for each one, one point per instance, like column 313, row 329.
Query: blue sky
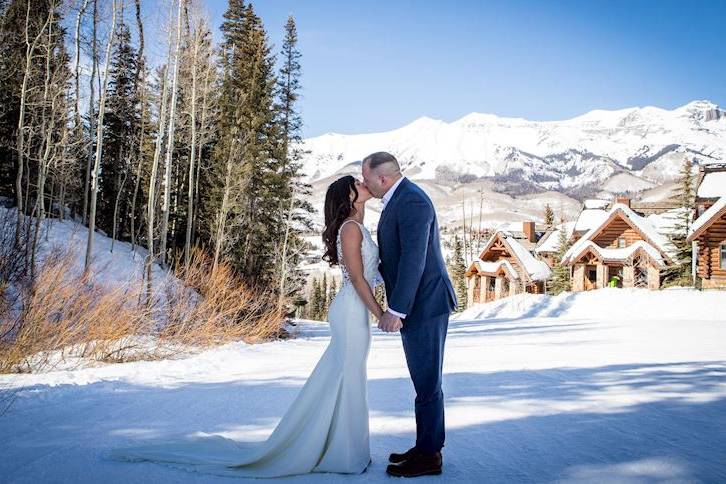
column 377, row 65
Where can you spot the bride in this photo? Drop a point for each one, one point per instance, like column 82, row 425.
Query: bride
column 326, row 427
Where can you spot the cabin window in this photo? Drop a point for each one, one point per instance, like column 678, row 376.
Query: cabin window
column 723, row 256
column 621, row 242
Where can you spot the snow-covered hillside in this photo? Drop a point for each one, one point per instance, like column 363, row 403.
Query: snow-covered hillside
column 647, row 143
column 600, row 387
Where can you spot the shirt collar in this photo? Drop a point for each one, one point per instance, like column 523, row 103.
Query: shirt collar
column 389, row 194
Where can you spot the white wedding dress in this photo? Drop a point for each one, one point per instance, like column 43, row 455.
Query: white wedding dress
column 326, row 427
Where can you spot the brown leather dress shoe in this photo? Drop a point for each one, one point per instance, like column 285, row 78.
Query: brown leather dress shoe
column 398, row 458
column 416, row 466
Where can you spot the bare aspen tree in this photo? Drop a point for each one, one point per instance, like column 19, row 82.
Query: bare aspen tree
column 151, row 202
column 91, row 104
column 99, row 140
column 139, row 87
column 29, row 50
column 46, row 128
column 203, row 133
column 170, row 141
column 198, row 39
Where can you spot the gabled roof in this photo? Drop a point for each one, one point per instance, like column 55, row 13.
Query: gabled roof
column 638, row 223
column 620, row 254
column 712, row 184
column 536, row 269
column 550, row 242
column 492, row 268
column 707, row 218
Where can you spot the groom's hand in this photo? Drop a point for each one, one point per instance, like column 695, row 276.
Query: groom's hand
column 390, row 323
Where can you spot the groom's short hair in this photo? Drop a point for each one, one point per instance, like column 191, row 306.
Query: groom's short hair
column 381, row 158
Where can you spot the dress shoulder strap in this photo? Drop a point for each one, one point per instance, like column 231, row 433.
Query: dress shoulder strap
column 345, row 222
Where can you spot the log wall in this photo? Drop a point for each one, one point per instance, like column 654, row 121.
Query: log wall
column 608, row 238
column 709, row 246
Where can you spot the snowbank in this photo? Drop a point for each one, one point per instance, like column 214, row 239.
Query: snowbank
column 609, row 303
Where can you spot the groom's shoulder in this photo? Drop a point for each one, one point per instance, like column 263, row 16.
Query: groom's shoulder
column 415, row 192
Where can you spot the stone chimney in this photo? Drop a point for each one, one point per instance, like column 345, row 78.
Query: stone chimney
column 529, row 232
column 623, row 200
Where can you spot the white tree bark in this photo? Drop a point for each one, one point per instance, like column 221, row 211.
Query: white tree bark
column 166, row 184
column 99, row 140
column 29, row 49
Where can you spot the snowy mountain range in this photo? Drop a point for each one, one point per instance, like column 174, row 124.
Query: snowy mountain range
column 625, row 150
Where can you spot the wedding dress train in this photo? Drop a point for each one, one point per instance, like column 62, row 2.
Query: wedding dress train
column 326, row 427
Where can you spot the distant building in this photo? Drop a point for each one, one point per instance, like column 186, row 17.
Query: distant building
column 621, row 248
column 710, row 185
column 508, row 265
column 708, row 233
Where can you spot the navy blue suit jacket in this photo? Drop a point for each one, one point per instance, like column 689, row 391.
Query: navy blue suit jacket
column 412, row 266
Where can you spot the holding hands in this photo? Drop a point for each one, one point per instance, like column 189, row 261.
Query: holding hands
column 389, row 323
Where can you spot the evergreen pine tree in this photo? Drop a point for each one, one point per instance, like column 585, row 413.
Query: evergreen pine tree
column 549, row 215
column 457, row 272
column 121, row 134
column 680, row 272
column 295, row 210
column 560, row 281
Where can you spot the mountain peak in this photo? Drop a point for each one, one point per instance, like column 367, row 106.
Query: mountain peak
column 703, row 110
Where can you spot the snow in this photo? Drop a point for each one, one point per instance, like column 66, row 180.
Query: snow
column 611, row 385
column 552, row 242
column 713, row 185
column 619, row 254
column 493, row 267
column 122, row 266
column 594, row 203
column 589, row 218
column 584, row 151
column 537, row 269
column 649, row 231
column 706, row 216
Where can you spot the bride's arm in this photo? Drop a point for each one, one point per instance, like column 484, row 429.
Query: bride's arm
column 350, row 240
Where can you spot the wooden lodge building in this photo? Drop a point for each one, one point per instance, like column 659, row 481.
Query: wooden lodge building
column 708, row 233
column 507, row 266
column 622, row 249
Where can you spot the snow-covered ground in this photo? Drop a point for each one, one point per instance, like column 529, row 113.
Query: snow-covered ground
column 607, row 386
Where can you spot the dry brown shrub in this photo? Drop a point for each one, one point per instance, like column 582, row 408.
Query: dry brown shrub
column 66, row 314
column 208, row 307
column 69, row 318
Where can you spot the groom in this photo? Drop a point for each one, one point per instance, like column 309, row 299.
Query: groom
column 420, row 298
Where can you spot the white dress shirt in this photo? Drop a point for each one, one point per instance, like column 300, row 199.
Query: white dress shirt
column 389, row 194
column 384, row 200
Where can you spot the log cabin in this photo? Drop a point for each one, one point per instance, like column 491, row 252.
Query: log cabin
column 624, row 250
column 710, row 185
column 708, row 235
column 507, row 266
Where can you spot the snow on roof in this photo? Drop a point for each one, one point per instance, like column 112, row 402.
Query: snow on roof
column 537, row 270
column 661, row 242
column 552, row 242
column 589, row 218
column 493, row 267
column 704, row 220
column 620, row 254
column 713, row 185
column 595, row 203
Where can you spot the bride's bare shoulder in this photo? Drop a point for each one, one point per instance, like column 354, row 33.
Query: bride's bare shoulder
column 350, row 231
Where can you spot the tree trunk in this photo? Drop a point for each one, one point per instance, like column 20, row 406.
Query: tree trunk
column 91, row 102
column 29, row 49
column 99, row 141
column 192, row 155
column 170, row 142
column 151, row 203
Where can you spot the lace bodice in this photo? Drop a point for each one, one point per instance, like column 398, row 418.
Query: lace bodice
column 369, row 253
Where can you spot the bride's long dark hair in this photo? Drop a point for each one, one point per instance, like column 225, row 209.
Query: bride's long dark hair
column 338, row 207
